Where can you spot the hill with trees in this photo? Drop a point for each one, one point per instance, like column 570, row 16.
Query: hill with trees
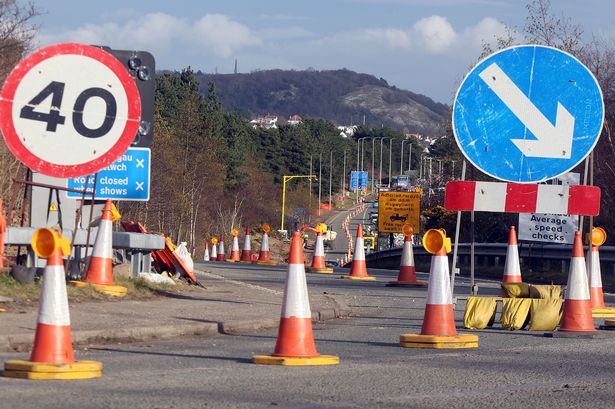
column 342, row 96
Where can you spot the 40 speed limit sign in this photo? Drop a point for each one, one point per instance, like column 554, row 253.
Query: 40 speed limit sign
column 69, row 110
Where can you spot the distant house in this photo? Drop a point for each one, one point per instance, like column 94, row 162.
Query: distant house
column 267, row 122
column 346, row 131
column 295, row 120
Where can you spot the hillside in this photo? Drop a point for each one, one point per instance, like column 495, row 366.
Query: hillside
column 340, row 96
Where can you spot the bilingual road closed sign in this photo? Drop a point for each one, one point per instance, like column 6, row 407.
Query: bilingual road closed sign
column 396, row 209
column 128, row 178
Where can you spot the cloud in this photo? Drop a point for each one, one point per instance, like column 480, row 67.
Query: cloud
column 435, row 33
column 163, row 33
column 486, row 31
column 389, row 37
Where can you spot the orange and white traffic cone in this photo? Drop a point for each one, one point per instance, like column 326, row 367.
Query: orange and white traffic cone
column 295, row 344
column 221, row 253
column 407, row 269
column 595, row 279
column 358, row 271
column 438, row 329
column 577, row 314
column 246, row 253
column 234, row 248
column 213, row 256
column 206, row 253
column 318, row 261
column 100, row 268
column 52, row 355
column 263, row 256
column 512, row 268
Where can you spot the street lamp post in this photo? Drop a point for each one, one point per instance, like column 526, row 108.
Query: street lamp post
column 401, row 157
column 409, row 158
column 390, row 161
column 319, row 180
column 380, row 171
column 330, row 177
column 373, row 178
column 285, row 179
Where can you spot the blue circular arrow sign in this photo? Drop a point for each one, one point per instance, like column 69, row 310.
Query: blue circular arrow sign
column 528, row 113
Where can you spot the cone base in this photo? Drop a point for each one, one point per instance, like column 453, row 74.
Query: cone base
column 321, row 270
column 266, row 262
column 246, row 261
column 461, row 341
column 292, row 361
column 577, row 317
column 603, row 312
column 42, row 371
column 398, row 283
column 364, row 278
column 111, row 290
column 229, row 260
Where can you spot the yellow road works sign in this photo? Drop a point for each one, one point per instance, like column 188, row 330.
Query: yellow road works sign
column 396, row 209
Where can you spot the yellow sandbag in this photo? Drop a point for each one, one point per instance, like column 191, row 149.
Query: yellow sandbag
column 480, row 312
column 545, row 314
column 545, row 291
column 515, row 290
column 515, row 313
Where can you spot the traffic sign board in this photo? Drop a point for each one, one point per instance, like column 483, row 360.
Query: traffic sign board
column 359, row 177
column 128, row 178
column 528, row 113
column 69, row 110
column 398, row 209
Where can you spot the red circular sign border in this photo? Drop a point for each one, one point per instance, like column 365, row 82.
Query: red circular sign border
column 65, row 171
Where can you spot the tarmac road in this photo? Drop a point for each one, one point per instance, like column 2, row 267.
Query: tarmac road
column 508, row 370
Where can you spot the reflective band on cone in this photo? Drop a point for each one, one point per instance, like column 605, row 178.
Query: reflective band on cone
column 246, row 253
column 214, row 253
column 512, row 268
column 295, row 344
column 318, row 261
column 577, row 314
column 358, row 271
column 407, row 269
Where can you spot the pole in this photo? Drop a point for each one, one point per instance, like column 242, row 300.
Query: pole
column 283, row 201
column 319, row 179
column 401, row 158
column 390, row 161
column 344, row 176
column 330, row 177
column 357, row 185
column 457, row 228
column 373, row 140
column 380, row 171
column 310, row 195
column 410, row 158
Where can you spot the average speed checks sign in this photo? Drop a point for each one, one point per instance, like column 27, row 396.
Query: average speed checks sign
column 69, row 110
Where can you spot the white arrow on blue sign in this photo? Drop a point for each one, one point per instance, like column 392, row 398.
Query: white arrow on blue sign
column 528, row 114
column 128, row 178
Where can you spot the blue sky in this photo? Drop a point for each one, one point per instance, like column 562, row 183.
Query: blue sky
column 425, row 46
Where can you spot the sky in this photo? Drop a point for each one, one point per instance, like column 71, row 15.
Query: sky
column 425, row 46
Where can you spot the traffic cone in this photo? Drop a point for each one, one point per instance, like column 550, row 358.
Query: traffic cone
column 263, row 256
column 52, row 355
column 512, row 269
column 577, row 315
column 595, row 279
column 206, row 253
column 100, row 269
column 235, row 248
column 407, row 270
column 358, row 271
column 318, row 261
column 295, row 344
column 438, row 329
column 213, row 256
column 246, row 253
column 221, row 256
